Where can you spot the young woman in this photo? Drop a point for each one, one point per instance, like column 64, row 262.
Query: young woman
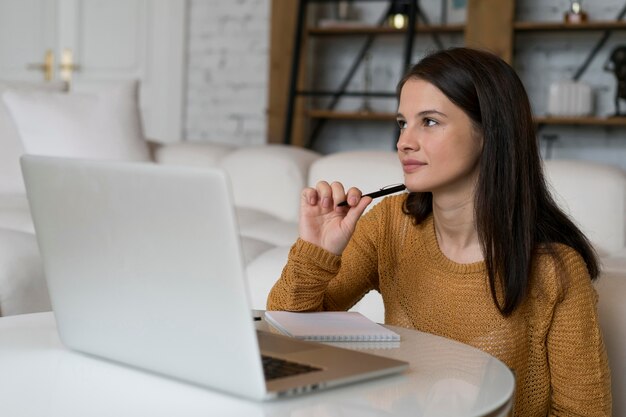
column 477, row 251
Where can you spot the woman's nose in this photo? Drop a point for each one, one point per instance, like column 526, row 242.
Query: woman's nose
column 407, row 142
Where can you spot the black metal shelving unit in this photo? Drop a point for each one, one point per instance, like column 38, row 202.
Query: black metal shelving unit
column 409, row 32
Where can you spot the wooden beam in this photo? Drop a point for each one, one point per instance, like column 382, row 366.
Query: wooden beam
column 282, row 27
column 490, row 26
column 282, row 35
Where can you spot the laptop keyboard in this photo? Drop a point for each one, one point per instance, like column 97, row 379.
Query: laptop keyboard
column 274, row 368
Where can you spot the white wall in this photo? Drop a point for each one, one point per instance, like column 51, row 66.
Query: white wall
column 228, row 72
column 228, row 50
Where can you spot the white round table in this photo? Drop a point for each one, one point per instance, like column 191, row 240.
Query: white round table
column 40, row 377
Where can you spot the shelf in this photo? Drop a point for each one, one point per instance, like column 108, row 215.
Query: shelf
column 581, row 121
column 540, row 120
column 379, row 94
column 376, row 30
column 351, row 115
column 478, row 30
column 560, row 26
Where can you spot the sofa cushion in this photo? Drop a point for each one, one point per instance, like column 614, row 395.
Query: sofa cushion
column 265, row 227
column 269, row 178
column 15, row 213
column 599, row 210
column 371, row 306
column 196, row 154
column 367, row 170
column 23, row 287
column 263, row 272
column 252, row 248
column 105, row 125
column 10, row 174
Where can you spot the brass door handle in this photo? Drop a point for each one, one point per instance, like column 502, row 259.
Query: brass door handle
column 47, row 66
column 67, row 65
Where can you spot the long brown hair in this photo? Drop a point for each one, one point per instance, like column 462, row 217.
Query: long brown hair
column 515, row 213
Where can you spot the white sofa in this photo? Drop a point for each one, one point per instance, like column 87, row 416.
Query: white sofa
column 267, row 181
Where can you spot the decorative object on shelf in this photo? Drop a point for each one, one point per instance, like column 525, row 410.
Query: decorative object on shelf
column 455, row 12
column 398, row 16
column 342, row 14
column 570, row 99
column 343, row 9
column 617, row 64
column 575, row 14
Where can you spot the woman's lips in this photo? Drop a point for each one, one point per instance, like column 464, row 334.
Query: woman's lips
column 412, row 165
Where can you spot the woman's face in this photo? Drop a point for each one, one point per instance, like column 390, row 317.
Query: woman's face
column 438, row 146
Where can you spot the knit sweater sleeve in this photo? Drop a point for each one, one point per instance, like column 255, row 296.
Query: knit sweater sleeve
column 316, row 280
column 579, row 372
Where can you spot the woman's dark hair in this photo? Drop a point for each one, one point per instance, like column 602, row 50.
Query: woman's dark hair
column 515, row 213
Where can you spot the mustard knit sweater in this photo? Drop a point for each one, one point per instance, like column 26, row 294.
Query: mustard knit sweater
column 552, row 341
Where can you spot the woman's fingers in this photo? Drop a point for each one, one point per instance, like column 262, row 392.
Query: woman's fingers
column 353, row 196
column 328, row 196
column 309, row 195
column 325, row 195
column 357, row 211
column 322, row 222
column 339, row 194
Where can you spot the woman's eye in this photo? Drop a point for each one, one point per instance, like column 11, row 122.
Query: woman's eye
column 430, row 122
column 402, row 124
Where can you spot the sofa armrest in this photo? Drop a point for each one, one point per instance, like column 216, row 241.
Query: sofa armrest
column 611, row 288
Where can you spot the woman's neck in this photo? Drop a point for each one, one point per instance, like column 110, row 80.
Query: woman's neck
column 456, row 229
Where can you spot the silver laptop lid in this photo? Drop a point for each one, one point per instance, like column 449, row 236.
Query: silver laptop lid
column 176, row 306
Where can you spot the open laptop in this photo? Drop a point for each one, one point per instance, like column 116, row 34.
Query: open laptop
column 144, row 266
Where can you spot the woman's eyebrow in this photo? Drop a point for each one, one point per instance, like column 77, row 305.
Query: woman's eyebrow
column 430, row 112
column 422, row 114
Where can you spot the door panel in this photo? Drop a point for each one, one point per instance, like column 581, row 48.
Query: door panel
column 124, row 26
column 111, row 37
column 109, row 40
column 27, row 31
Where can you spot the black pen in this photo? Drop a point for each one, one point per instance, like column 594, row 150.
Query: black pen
column 380, row 193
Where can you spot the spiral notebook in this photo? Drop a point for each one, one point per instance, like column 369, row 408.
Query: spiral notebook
column 329, row 326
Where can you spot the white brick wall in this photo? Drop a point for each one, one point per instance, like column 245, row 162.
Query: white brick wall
column 227, row 71
column 228, row 64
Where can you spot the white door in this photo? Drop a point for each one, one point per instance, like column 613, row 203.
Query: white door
column 106, row 40
column 27, row 31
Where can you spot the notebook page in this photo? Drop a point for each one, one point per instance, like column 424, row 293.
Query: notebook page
column 329, row 326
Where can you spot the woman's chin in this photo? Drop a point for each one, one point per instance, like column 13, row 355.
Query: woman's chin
column 417, row 188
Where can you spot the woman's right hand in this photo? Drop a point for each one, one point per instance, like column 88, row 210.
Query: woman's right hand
column 322, row 222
